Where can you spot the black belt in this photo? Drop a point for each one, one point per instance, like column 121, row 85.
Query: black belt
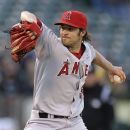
column 46, row 115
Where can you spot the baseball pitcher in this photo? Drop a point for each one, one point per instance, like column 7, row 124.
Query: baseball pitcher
column 61, row 67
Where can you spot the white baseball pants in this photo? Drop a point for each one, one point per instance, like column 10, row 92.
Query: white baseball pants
column 56, row 124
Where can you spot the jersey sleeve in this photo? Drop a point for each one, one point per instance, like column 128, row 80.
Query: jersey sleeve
column 46, row 42
column 93, row 52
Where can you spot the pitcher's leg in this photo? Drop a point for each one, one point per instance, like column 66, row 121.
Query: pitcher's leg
column 78, row 124
column 46, row 124
column 36, row 126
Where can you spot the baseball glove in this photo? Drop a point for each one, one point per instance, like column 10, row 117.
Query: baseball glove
column 23, row 37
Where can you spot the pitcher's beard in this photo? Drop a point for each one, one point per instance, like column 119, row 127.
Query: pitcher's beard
column 66, row 45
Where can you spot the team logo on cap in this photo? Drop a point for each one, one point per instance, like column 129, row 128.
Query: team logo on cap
column 67, row 15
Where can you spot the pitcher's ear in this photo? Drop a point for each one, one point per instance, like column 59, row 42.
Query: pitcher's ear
column 83, row 32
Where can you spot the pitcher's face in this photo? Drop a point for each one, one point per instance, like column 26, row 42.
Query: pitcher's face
column 70, row 36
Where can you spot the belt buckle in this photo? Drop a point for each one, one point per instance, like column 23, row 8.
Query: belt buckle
column 66, row 117
column 51, row 116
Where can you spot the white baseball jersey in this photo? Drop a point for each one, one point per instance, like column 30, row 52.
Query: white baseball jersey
column 59, row 76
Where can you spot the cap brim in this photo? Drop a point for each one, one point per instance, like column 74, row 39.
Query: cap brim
column 65, row 23
column 57, row 23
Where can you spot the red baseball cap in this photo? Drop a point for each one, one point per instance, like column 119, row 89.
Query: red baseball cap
column 74, row 18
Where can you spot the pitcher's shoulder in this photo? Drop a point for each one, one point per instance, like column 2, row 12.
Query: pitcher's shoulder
column 88, row 44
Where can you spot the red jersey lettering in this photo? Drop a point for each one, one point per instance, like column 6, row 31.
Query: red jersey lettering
column 75, row 68
column 86, row 70
column 64, row 69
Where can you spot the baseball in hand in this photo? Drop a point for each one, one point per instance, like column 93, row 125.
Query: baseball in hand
column 117, row 79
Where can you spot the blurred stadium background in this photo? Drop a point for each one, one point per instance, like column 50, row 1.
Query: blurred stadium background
column 109, row 24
